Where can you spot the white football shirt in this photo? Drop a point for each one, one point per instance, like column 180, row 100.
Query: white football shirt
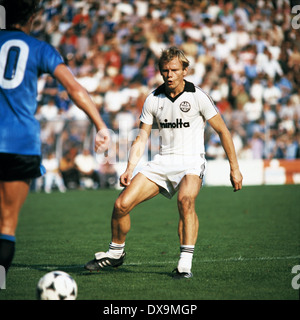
column 181, row 120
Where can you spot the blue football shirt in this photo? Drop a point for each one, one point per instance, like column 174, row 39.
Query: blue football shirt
column 22, row 60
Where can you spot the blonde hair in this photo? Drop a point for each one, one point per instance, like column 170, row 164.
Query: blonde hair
column 169, row 54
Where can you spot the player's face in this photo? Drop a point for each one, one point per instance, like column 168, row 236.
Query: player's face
column 173, row 75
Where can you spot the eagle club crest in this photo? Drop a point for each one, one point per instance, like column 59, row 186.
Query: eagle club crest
column 185, row 106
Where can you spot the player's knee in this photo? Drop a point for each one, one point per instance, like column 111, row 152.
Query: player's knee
column 121, row 207
column 185, row 203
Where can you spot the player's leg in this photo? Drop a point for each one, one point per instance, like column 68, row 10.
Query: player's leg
column 12, row 197
column 139, row 190
column 188, row 221
column 49, row 177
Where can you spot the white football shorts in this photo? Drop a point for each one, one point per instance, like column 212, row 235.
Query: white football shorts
column 167, row 171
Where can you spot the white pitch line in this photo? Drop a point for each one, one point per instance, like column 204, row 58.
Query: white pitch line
column 153, row 263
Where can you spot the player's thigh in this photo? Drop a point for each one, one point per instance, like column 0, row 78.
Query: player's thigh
column 139, row 190
column 189, row 188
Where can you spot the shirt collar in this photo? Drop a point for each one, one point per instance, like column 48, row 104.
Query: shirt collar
column 189, row 87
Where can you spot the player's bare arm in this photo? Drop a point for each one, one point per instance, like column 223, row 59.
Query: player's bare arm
column 82, row 99
column 220, row 127
column 136, row 152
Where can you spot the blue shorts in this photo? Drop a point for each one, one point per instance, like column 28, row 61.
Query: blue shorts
column 15, row 167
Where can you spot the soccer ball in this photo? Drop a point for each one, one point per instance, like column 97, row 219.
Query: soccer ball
column 56, row 285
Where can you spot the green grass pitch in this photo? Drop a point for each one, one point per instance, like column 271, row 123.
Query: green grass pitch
column 248, row 243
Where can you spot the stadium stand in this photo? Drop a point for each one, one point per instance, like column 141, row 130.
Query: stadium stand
column 246, row 55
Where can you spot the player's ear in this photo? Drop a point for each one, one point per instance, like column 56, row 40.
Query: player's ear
column 185, row 71
column 30, row 21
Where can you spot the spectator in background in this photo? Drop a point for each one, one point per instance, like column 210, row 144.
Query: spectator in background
column 239, row 95
column 257, row 89
column 113, row 101
column 253, row 112
column 125, row 120
column 68, row 10
column 214, row 149
column 81, row 18
column 286, row 85
column 291, row 147
column 83, row 42
column 130, row 69
column 68, row 44
column 53, row 177
column 271, row 67
column 288, row 110
column 87, row 166
column 257, row 145
column 51, row 116
column 48, row 111
column 271, row 93
column 108, row 175
column 49, row 90
column 69, row 171
column 294, row 57
column 270, row 116
column 251, row 71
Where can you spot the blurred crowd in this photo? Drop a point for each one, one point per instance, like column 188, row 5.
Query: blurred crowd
column 246, row 55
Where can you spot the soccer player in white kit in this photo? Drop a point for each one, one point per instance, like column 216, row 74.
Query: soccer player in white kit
column 181, row 110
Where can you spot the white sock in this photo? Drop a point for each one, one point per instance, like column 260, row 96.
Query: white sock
column 186, row 257
column 116, row 249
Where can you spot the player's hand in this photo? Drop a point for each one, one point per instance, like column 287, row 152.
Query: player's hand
column 125, row 178
column 236, row 179
column 102, row 141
